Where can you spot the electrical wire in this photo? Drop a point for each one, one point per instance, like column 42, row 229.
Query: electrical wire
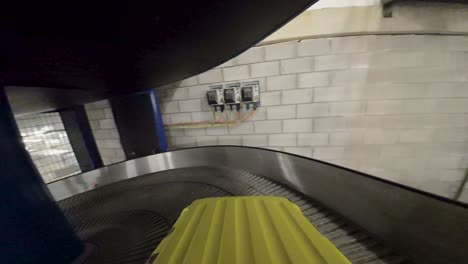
column 213, row 116
column 228, row 116
column 208, row 124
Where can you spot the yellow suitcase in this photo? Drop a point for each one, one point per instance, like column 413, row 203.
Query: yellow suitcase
column 243, row 230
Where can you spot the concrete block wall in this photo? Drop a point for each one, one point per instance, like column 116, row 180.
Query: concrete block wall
column 392, row 106
column 105, row 132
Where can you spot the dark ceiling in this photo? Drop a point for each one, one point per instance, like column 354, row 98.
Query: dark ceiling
column 118, row 48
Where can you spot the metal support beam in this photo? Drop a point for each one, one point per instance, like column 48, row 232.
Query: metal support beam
column 158, row 122
column 81, row 138
column 140, row 126
column 32, row 227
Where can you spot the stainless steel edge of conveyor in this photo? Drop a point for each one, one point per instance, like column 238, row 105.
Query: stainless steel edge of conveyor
column 369, row 219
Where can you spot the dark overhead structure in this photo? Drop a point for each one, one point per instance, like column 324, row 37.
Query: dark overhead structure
column 85, row 51
column 115, row 48
column 139, row 123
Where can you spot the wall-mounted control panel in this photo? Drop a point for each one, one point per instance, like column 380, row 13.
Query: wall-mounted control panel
column 234, row 96
column 251, row 94
column 215, row 97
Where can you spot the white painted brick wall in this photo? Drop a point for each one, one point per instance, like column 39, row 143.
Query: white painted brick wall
column 297, row 65
column 261, row 114
column 105, row 132
column 107, row 123
column 228, row 63
column 331, row 62
column 263, row 69
column 198, row 116
column 194, row 132
column 313, row 79
column 275, row 148
column 301, row 151
column 381, row 136
column 392, row 106
column 282, row 82
column 416, row 135
column 298, row 125
column 282, row 140
column 268, row 127
column 347, row 108
column 207, row 141
column 451, row 134
column 400, row 59
column 196, row 92
column 108, row 113
column 230, row 140
column 96, row 114
column 328, row 153
column 299, row 96
column 280, row 51
column 255, row 140
column 242, row 129
column 211, row 76
column 94, row 124
column 330, row 124
column 457, row 43
column 174, row 133
column 190, row 105
column 177, row 94
column 349, row 77
column 177, row 118
column 185, row 142
column 189, row 81
column 312, row 110
column 346, row 138
column 281, row 112
column 236, row 73
column 384, row 107
column 256, row 54
column 110, row 143
column 271, row 98
column 170, row 107
column 329, row 94
column 352, row 44
column 213, row 131
column 312, row 139
column 362, row 153
column 312, row 47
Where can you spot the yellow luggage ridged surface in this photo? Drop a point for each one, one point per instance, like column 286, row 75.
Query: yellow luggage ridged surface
column 242, row 230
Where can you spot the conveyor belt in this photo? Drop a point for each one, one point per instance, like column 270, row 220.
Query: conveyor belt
column 125, row 221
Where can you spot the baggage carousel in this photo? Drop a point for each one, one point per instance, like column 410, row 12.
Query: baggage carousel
column 123, row 211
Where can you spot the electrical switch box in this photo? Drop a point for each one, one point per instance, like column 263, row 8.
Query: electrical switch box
column 215, row 97
column 212, row 97
column 235, row 95
column 232, row 95
column 251, row 94
column 229, row 96
column 247, row 94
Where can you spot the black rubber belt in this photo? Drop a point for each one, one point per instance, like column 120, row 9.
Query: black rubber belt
column 125, row 221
